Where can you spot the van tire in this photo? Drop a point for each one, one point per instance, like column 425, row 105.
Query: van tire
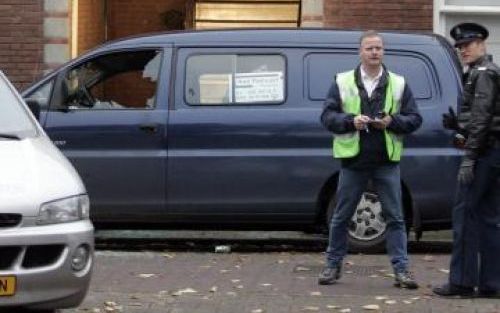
column 369, row 239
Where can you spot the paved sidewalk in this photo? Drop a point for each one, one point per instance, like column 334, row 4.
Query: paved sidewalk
column 178, row 282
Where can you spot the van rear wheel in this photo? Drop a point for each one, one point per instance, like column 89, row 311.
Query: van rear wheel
column 367, row 227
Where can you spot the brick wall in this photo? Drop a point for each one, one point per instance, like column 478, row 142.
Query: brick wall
column 21, row 40
column 90, row 24
column 408, row 15
column 130, row 17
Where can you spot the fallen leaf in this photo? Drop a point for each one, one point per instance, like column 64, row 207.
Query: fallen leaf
column 183, row 291
column 257, row 311
column 374, row 276
column 407, row 302
column 239, row 286
column 332, row 307
column 390, row 301
column 444, row 271
column 371, row 307
column 390, row 275
column 109, row 303
column 224, row 271
column 266, row 285
column 281, row 261
column 349, row 263
column 96, row 310
column 415, row 298
column 302, row 269
column 310, row 308
column 213, row 289
column 146, row 275
column 168, row 255
column 381, row 297
column 348, row 272
column 315, row 293
column 345, row 311
column 429, row 258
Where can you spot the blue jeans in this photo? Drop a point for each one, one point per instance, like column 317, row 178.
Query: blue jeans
column 352, row 184
column 476, row 227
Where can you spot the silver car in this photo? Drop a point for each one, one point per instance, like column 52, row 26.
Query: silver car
column 46, row 237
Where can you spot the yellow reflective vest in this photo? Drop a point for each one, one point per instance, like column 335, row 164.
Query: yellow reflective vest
column 347, row 145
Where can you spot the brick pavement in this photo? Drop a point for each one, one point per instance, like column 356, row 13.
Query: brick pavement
column 178, row 282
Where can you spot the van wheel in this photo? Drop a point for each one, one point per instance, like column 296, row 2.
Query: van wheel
column 367, row 228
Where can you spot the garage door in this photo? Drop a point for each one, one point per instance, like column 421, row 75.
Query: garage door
column 484, row 12
column 248, row 13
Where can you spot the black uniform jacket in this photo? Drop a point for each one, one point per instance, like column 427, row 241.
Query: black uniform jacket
column 480, row 111
column 372, row 142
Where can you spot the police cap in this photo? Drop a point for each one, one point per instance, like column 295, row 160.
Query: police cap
column 467, row 32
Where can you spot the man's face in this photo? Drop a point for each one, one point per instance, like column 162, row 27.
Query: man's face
column 371, row 51
column 471, row 51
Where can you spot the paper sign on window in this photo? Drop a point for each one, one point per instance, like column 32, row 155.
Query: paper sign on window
column 259, row 87
column 215, row 88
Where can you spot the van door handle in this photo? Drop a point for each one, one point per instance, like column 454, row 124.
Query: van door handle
column 149, row 128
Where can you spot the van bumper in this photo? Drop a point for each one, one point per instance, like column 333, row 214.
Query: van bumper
column 39, row 259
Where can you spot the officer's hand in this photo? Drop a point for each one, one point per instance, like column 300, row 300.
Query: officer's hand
column 466, row 171
column 450, row 120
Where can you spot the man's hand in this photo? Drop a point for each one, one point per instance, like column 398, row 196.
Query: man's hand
column 361, row 122
column 466, row 171
column 450, row 120
column 381, row 123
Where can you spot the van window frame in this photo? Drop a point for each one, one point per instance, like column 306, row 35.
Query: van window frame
column 434, row 90
column 78, row 62
column 183, row 57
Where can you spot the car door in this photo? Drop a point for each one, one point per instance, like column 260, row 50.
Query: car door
column 108, row 117
column 239, row 139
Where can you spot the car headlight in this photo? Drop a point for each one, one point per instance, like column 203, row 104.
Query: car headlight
column 64, row 210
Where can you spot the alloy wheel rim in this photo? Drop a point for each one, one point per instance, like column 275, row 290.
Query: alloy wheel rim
column 367, row 222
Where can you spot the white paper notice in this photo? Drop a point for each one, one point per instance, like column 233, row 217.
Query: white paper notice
column 258, row 87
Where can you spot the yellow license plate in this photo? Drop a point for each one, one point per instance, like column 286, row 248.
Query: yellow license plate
column 7, row 285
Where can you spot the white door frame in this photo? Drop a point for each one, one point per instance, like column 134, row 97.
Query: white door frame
column 441, row 10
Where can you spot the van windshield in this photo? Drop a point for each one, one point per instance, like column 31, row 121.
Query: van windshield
column 14, row 120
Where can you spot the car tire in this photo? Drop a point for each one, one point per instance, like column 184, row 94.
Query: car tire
column 367, row 228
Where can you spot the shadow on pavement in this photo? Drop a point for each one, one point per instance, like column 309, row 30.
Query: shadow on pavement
column 234, row 241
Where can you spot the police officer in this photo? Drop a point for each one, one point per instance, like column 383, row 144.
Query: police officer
column 476, row 214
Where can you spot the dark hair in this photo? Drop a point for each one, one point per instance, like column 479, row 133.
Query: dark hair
column 369, row 33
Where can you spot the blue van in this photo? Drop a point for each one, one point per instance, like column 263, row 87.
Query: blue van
column 221, row 129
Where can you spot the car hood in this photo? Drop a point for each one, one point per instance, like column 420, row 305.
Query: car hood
column 32, row 172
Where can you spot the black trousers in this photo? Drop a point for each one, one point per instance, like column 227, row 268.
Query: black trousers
column 475, row 260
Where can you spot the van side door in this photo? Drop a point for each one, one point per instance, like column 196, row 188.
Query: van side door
column 239, row 138
column 108, row 116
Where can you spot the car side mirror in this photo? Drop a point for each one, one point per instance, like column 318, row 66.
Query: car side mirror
column 34, row 107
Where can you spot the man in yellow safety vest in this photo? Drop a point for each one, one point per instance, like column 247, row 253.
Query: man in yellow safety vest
column 368, row 110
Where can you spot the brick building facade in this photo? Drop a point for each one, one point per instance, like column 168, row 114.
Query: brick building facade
column 38, row 35
column 21, row 39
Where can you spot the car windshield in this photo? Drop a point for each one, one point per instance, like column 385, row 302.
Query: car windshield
column 14, row 120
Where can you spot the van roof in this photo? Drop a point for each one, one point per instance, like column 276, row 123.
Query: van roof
column 281, row 36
